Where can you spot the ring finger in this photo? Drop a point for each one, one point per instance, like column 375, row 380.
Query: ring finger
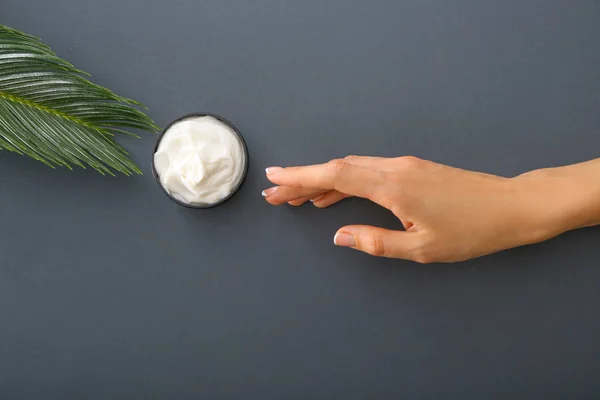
column 283, row 194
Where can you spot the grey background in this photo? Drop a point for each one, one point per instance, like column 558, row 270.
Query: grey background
column 110, row 291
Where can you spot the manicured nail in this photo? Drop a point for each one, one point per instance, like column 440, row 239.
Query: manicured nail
column 344, row 240
column 317, row 198
column 269, row 191
column 273, row 170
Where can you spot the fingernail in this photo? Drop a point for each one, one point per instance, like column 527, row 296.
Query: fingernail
column 269, row 191
column 317, row 198
column 344, row 240
column 273, row 170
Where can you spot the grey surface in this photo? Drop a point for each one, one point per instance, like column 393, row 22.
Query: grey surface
column 110, row 291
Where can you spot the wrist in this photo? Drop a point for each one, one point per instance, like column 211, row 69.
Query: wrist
column 560, row 199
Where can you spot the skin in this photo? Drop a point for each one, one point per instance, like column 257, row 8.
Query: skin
column 449, row 214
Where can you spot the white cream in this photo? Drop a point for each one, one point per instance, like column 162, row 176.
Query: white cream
column 200, row 160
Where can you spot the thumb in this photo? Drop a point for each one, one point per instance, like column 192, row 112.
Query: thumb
column 377, row 241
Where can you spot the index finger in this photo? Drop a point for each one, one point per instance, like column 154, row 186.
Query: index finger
column 334, row 175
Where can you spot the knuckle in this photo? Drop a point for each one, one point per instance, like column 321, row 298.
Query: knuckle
column 337, row 166
column 538, row 173
column 373, row 245
column 350, row 158
column 409, row 162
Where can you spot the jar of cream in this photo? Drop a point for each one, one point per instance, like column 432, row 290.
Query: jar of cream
column 200, row 160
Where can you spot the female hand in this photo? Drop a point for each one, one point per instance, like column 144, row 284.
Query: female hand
column 449, row 214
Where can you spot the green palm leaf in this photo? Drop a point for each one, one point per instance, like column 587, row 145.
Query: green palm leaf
column 52, row 113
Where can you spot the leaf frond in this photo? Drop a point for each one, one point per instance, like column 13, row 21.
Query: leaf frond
column 51, row 112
